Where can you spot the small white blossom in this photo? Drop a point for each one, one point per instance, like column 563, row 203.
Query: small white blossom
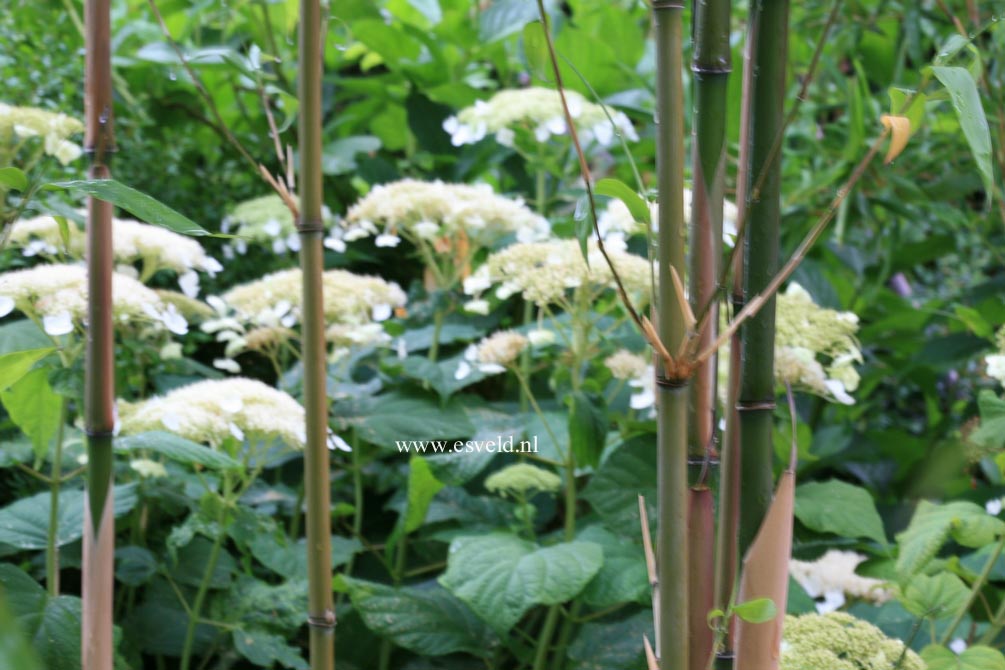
column 58, row 324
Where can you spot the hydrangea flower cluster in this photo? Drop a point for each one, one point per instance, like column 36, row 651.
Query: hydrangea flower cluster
column 214, row 410
column 493, row 354
column 55, row 129
column 57, row 295
column 154, row 247
column 265, row 219
column 839, row 641
column 625, row 365
column 520, row 479
column 805, row 331
column 262, row 313
column 616, row 222
column 996, row 361
column 537, row 111
column 449, row 218
column 542, row 272
column 832, row 577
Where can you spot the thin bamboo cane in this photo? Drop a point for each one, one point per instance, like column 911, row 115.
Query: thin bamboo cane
column 672, row 399
column 769, row 40
column 321, row 613
column 701, row 528
column 99, row 371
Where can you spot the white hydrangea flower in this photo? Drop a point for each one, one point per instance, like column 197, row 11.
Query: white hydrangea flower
column 213, row 410
column 625, row 365
column 493, row 354
column 460, row 214
column 57, row 294
column 645, row 396
column 617, row 223
column 543, row 271
column 155, row 247
column 147, row 468
column 55, row 129
column 538, row 111
column 267, row 219
column 832, row 577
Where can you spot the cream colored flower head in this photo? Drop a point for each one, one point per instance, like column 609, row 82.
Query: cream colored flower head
column 543, row 272
column 212, row 411
column 493, row 354
column 996, row 361
column 155, row 247
column 839, row 641
column 522, row 479
column 268, row 220
column 436, row 211
column 538, row 111
column 616, row 222
column 832, row 577
column 53, row 128
column 57, row 296
column 625, row 365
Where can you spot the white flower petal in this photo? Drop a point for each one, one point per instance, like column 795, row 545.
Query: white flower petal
column 6, row 305
column 189, row 284
column 462, row 371
column 227, row 365
column 387, row 240
column 58, row 324
column 381, row 312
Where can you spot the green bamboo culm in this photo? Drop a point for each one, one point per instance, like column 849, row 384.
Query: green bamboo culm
column 672, row 395
column 768, row 35
column 99, row 369
column 710, row 66
column 321, row 614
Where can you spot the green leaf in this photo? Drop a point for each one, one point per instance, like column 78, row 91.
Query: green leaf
column 35, row 408
column 587, row 427
column 388, row 419
column 422, row 486
column 506, row 17
column 441, row 375
column 611, row 644
column 501, row 576
column 935, row 597
column 138, row 204
column 974, row 658
column 614, row 188
column 974, row 321
column 339, row 157
column 52, row 624
column 614, row 490
column 757, row 610
column 15, row 365
column 967, row 103
column 64, row 231
column 841, row 508
column 992, row 429
column 23, row 524
column 13, row 179
column 193, row 559
column 177, row 449
column 14, row 648
column 535, row 51
column 930, row 527
column 265, row 649
column 427, row 620
column 21, row 335
column 134, row 566
column 623, row 577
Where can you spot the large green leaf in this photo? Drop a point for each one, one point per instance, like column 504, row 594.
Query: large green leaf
column 23, row 524
column 613, row 644
column 422, row 486
column 441, row 375
column 501, row 576
column 12, row 178
column 635, row 203
column 936, row 596
column 506, row 17
column 587, row 427
column 21, row 335
column 623, row 577
column 389, row 419
column 967, row 103
column 35, row 408
column 614, row 490
column 969, row 524
column 265, row 649
column 14, row 648
column 51, row 623
column 841, row 508
column 140, row 205
column 974, row 658
column 177, row 449
column 427, row 620
column 15, row 365
column 992, row 429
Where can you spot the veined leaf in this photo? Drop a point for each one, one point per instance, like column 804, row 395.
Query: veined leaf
column 635, row 203
column 974, row 658
column 15, row 365
column 969, row 524
column 35, row 408
column 841, row 508
column 177, row 449
column 13, row 178
column 967, row 103
column 24, row 524
column 138, row 204
column 935, row 597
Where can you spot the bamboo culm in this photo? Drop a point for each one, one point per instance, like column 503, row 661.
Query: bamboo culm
column 321, row 613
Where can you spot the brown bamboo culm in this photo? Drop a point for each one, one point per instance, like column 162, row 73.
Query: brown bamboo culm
column 321, row 612
column 99, row 370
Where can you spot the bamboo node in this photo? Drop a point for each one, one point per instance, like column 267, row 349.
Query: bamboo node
column 99, row 434
column 325, row 620
column 755, row 405
column 309, row 227
column 671, row 382
column 667, row 4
